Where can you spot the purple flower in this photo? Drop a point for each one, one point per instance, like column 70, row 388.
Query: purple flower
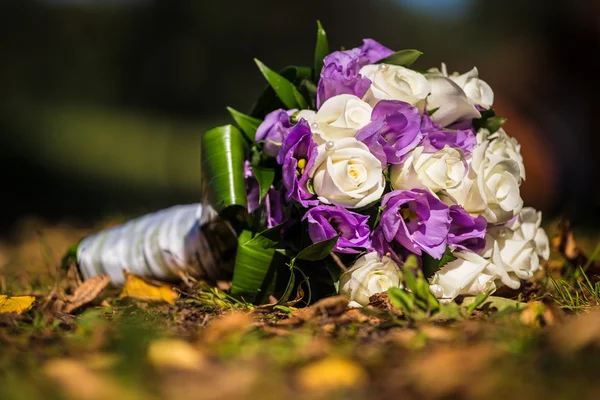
column 393, row 132
column 297, row 155
column 325, row 222
column 340, row 73
column 466, row 232
column 417, row 220
column 374, row 51
column 273, row 201
column 275, row 128
column 435, row 137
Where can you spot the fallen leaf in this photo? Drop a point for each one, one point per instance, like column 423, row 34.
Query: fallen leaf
column 73, row 276
column 146, row 289
column 538, row 314
column 16, row 304
column 86, row 292
column 234, row 323
column 175, row 353
column 330, row 374
column 79, row 381
column 328, row 307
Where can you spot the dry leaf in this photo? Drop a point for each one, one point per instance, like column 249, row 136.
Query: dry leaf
column 73, row 277
column 234, row 323
column 146, row 289
column 16, row 304
column 86, row 292
column 175, row 353
column 331, row 374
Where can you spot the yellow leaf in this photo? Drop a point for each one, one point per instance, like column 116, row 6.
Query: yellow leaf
column 17, row 304
column 331, row 374
column 145, row 289
column 175, row 353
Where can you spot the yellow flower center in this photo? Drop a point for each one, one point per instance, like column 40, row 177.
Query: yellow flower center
column 407, row 214
column 301, row 165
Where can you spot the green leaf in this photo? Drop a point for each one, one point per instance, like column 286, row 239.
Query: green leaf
column 223, row 154
column 321, row 50
column 265, row 177
column 494, row 123
column 318, row 251
column 268, row 100
column 256, row 266
column 500, row 303
column 432, row 111
column 404, row 58
column 247, row 124
column 447, row 257
column 285, row 90
column 401, row 299
column 432, row 265
column 478, row 301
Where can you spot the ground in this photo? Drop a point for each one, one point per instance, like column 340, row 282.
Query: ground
column 96, row 344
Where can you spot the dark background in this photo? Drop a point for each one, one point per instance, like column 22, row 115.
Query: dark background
column 102, row 102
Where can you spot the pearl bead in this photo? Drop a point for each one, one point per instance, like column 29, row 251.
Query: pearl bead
column 314, row 125
column 383, row 66
column 329, row 145
column 436, row 290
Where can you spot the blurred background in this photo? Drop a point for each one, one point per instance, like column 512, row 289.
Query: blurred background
column 102, row 102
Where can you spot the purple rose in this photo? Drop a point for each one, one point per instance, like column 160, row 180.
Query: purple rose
column 417, row 220
column 297, row 155
column 325, row 222
column 393, row 132
column 340, row 73
column 273, row 201
column 274, row 128
column 466, row 232
column 435, row 137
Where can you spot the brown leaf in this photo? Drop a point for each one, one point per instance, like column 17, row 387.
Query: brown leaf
column 73, row 277
column 86, row 292
column 329, row 307
column 564, row 243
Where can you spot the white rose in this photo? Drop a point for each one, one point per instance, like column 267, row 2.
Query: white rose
column 345, row 173
column 449, row 101
column 443, row 169
column 490, row 188
column 392, row 82
column 469, row 274
column 503, row 145
column 477, row 90
column 369, row 275
column 339, row 117
column 518, row 246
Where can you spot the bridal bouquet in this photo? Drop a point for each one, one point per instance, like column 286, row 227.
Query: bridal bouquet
column 345, row 169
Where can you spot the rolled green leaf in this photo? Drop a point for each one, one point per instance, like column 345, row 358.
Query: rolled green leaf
column 247, row 124
column 403, row 58
column 321, row 50
column 285, row 90
column 257, row 266
column 222, row 155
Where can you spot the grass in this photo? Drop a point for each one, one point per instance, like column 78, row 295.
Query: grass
column 543, row 342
